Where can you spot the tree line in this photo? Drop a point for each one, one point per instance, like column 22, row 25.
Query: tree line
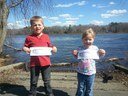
column 113, row 27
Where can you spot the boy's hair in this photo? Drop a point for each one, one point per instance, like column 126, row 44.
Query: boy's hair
column 87, row 32
column 36, row 18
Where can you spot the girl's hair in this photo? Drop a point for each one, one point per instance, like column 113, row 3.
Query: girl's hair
column 36, row 18
column 87, row 32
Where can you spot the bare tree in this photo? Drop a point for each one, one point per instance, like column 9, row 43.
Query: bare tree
column 20, row 8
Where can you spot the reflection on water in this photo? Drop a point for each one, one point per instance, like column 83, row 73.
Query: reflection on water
column 114, row 44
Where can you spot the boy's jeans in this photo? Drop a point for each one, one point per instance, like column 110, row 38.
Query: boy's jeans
column 85, row 84
column 46, row 76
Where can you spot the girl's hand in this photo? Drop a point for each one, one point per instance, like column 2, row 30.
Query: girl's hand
column 54, row 49
column 75, row 52
column 101, row 52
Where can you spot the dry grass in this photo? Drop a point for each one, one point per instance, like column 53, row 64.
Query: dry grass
column 5, row 60
column 117, row 76
column 2, row 60
column 10, row 76
column 121, row 77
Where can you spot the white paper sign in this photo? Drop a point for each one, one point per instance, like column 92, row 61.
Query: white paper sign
column 40, row 51
column 88, row 54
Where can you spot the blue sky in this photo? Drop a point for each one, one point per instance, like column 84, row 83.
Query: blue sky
column 75, row 12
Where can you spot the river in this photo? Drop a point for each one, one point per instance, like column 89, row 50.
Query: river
column 116, row 45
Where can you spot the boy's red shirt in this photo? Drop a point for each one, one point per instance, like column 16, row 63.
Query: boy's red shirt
column 34, row 41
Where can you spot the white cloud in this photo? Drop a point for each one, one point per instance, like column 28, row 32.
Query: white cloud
column 10, row 25
column 96, row 22
column 58, row 23
column 26, row 22
column 81, row 3
column 18, row 22
column 15, row 25
column 106, row 15
column 69, row 17
column 94, row 5
column 54, row 18
column 65, row 15
column 99, row 6
column 67, row 23
column 80, row 15
column 113, row 13
column 72, row 19
column 117, row 11
column 103, row 6
column 44, row 17
column 64, row 19
column 112, row 3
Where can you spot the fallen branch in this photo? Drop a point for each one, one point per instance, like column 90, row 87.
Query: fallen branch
column 17, row 49
column 11, row 66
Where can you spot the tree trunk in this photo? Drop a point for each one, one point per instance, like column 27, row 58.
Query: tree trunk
column 3, row 22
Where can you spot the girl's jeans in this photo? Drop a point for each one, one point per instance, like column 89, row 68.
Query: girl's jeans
column 46, row 76
column 85, row 84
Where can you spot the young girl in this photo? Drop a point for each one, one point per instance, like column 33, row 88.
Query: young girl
column 86, row 67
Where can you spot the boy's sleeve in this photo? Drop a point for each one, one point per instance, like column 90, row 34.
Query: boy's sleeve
column 26, row 43
column 49, row 42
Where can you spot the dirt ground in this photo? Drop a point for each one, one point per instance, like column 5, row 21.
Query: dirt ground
column 15, row 82
column 107, row 74
column 63, row 84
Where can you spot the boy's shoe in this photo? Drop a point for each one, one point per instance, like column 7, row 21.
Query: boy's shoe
column 50, row 95
column 31, row 94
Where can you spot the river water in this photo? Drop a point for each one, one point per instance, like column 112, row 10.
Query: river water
column 116, row 45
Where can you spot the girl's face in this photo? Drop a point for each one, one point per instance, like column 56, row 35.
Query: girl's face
column 88, row 40
column 37, row 27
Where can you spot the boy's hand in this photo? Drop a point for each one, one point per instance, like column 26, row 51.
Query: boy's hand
column 101, row 52
column 27, row 50
column 54, row 49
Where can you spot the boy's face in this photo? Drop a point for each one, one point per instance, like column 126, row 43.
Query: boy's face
column 88, row 40
column 37, row 27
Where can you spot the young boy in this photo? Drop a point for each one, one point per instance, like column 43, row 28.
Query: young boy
column 39, row 63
